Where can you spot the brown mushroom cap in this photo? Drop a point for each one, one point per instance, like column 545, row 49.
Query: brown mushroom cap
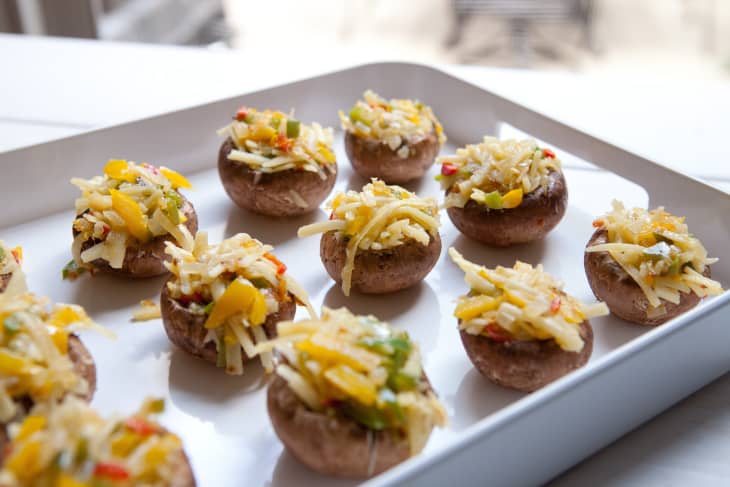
column 540, row 211
column 270, row 194
column 525, row 365
column 332, row 445
column 623, row 296
column 187, row 330
column 147, row 259
column 371, row 158
column 182, row 471
column 380, row 271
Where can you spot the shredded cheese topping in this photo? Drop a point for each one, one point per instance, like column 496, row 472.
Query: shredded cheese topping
column 656, row 249
column 131, row 203
column 70, row 445
column 361, row 367
column 236, row 284
column 271, row 141
column 380, row 217
column 34, row 360
column 147, row 310
column 521, row 303
column 12, row 277
column 396, row 123
column 496, row 173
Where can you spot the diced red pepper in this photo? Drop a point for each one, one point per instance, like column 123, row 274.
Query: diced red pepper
column 548, row 153
column 280, row 266
column 140, row 426
column 105, row 230
column 241, row 114
column 284, row 143
column 16, row 256
column 496, row 333
column 448, row 169
column 555, row 305
column 332, row 215
column 598, row 223
column 111, row 471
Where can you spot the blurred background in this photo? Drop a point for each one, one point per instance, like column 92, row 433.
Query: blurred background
column 666, row 38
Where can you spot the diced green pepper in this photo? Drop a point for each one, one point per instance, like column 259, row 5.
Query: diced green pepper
column 2, row 255
column 275, row 122
column 357, row 115
column 400, row 381
column 12, row 324
column 368, row 417
column 292, row 128
column 674, row 267
column 260, row 283
column 174, row 196
column 493, row 200
column 387, row 397
column 82, row 451
column 657, row 251
column 172, row 212
column 72, row 270
column 208, row 307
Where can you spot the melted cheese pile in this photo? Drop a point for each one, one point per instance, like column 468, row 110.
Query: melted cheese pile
column 521, row 303
column 241, row 278
column 70, row 445
column 380, row 217
column 656, row 249
column 495, row 165
column 362, row 368
column 272, row 141
column 34, row 360
column 130, row 203
column 395, row 123
column 10, row 261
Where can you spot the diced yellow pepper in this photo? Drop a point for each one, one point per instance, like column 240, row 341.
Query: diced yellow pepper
column 328, row 155
column 262, row 132
column 23, row 462
column 18, row 253
column 12, row 364
column 323, row 348
column 646, row 239
column 124, row 444
column 60, row 339
column 512, row 199
column 31, row 424
column 67, row 315
column 176, row 179
column 352, row 383
column 474, row 306
column 156, row 455
column 131, row 213
column 238, row 297
column 65, row 480
column 119, row 169
column 571, row 314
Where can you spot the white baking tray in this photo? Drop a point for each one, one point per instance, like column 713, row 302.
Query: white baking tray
column 495, row 436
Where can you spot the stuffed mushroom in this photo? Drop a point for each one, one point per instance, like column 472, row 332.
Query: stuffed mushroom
column 125, row 217
column 271, row 163
column 503, row 193
column 71, row 445
column 12, row 278
column 42, row 359
column 350, row 397
column 222, row 299
column 396, row 141
column 380, row 240
column 519, row 328
column 646, row 265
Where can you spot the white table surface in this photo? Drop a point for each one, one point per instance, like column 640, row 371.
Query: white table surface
column 51, row 88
